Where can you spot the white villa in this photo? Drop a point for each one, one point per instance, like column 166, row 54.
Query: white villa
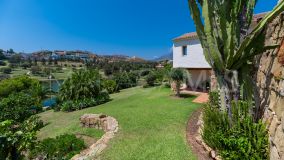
column 188, row 54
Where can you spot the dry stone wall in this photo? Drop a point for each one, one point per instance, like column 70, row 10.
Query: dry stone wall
column 99, row 121
column 270, row 84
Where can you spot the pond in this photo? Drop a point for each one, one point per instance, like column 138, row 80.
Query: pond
column 53, row 85
column 49, row 102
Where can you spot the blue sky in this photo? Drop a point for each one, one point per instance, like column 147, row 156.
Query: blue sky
column 142, row 28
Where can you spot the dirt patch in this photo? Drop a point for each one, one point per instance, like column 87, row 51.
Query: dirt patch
column 87, row 139
column 191, row 133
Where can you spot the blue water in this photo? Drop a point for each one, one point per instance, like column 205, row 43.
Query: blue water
column 54, row 85
column 49, row 102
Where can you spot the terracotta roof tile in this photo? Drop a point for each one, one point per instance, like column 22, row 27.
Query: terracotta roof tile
column 191, row 35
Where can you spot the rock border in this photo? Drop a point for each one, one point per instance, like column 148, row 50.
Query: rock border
column 194, row 138
column 212, row 153
column 96, row 149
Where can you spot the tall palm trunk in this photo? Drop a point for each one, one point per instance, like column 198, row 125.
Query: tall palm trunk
column 178, row 84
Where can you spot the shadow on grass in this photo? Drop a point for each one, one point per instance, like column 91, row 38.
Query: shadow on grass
column 183, row 96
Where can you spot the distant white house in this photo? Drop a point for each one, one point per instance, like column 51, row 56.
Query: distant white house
column 188, row 54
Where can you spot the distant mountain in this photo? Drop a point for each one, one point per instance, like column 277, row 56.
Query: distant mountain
column 165, row 57
column 136, row 59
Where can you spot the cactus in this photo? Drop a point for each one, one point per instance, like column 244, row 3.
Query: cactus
column 228, row 46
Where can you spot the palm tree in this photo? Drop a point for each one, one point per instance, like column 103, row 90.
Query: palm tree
column 227, row 44
column 177, row 75
column 82, row 84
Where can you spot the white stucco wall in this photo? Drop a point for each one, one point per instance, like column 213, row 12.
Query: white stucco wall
column 197, row 78
column 194, row 57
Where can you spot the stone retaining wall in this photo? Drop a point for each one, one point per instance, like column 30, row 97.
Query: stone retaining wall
column 99, row 121
column 270, row 84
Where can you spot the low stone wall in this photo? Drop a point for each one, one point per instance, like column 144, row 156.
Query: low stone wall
column 99, row 121
column 270, row 85
column 211, row 152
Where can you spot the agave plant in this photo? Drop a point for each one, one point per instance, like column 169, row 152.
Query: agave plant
column 228, row 45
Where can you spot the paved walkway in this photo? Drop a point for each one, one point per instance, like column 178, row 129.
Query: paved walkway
column 201, row 97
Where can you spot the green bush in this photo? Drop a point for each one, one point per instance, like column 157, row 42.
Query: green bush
column 238, row 139
column 62, row 147
column 110, row 86
column 125, row 80
column 69, row 106
column 82, row 84
column 150, row 79
column 6, row 70
column 214, row 98
column 18, row 107
column 85, row 88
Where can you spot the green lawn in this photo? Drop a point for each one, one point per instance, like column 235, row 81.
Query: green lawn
column 152, row 125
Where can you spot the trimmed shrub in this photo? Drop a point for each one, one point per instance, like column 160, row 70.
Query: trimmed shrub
column 239, row 138
column 62, row 147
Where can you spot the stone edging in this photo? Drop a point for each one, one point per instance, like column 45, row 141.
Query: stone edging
column 94, row 150
column 212, row 153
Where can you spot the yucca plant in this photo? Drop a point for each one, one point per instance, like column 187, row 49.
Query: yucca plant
column 228, row 45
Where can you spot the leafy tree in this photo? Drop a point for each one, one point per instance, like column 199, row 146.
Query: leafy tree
column 2, row 56
column 18, row 107
column 20, row 84
column 125, row 80
column 16, row 59
column 177, row 75
column 228, row 45
column 150, row 79
column 11, row 51
column 15, row 138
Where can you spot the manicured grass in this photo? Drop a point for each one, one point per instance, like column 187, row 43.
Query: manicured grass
column 64, row 74
column 152, row 125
